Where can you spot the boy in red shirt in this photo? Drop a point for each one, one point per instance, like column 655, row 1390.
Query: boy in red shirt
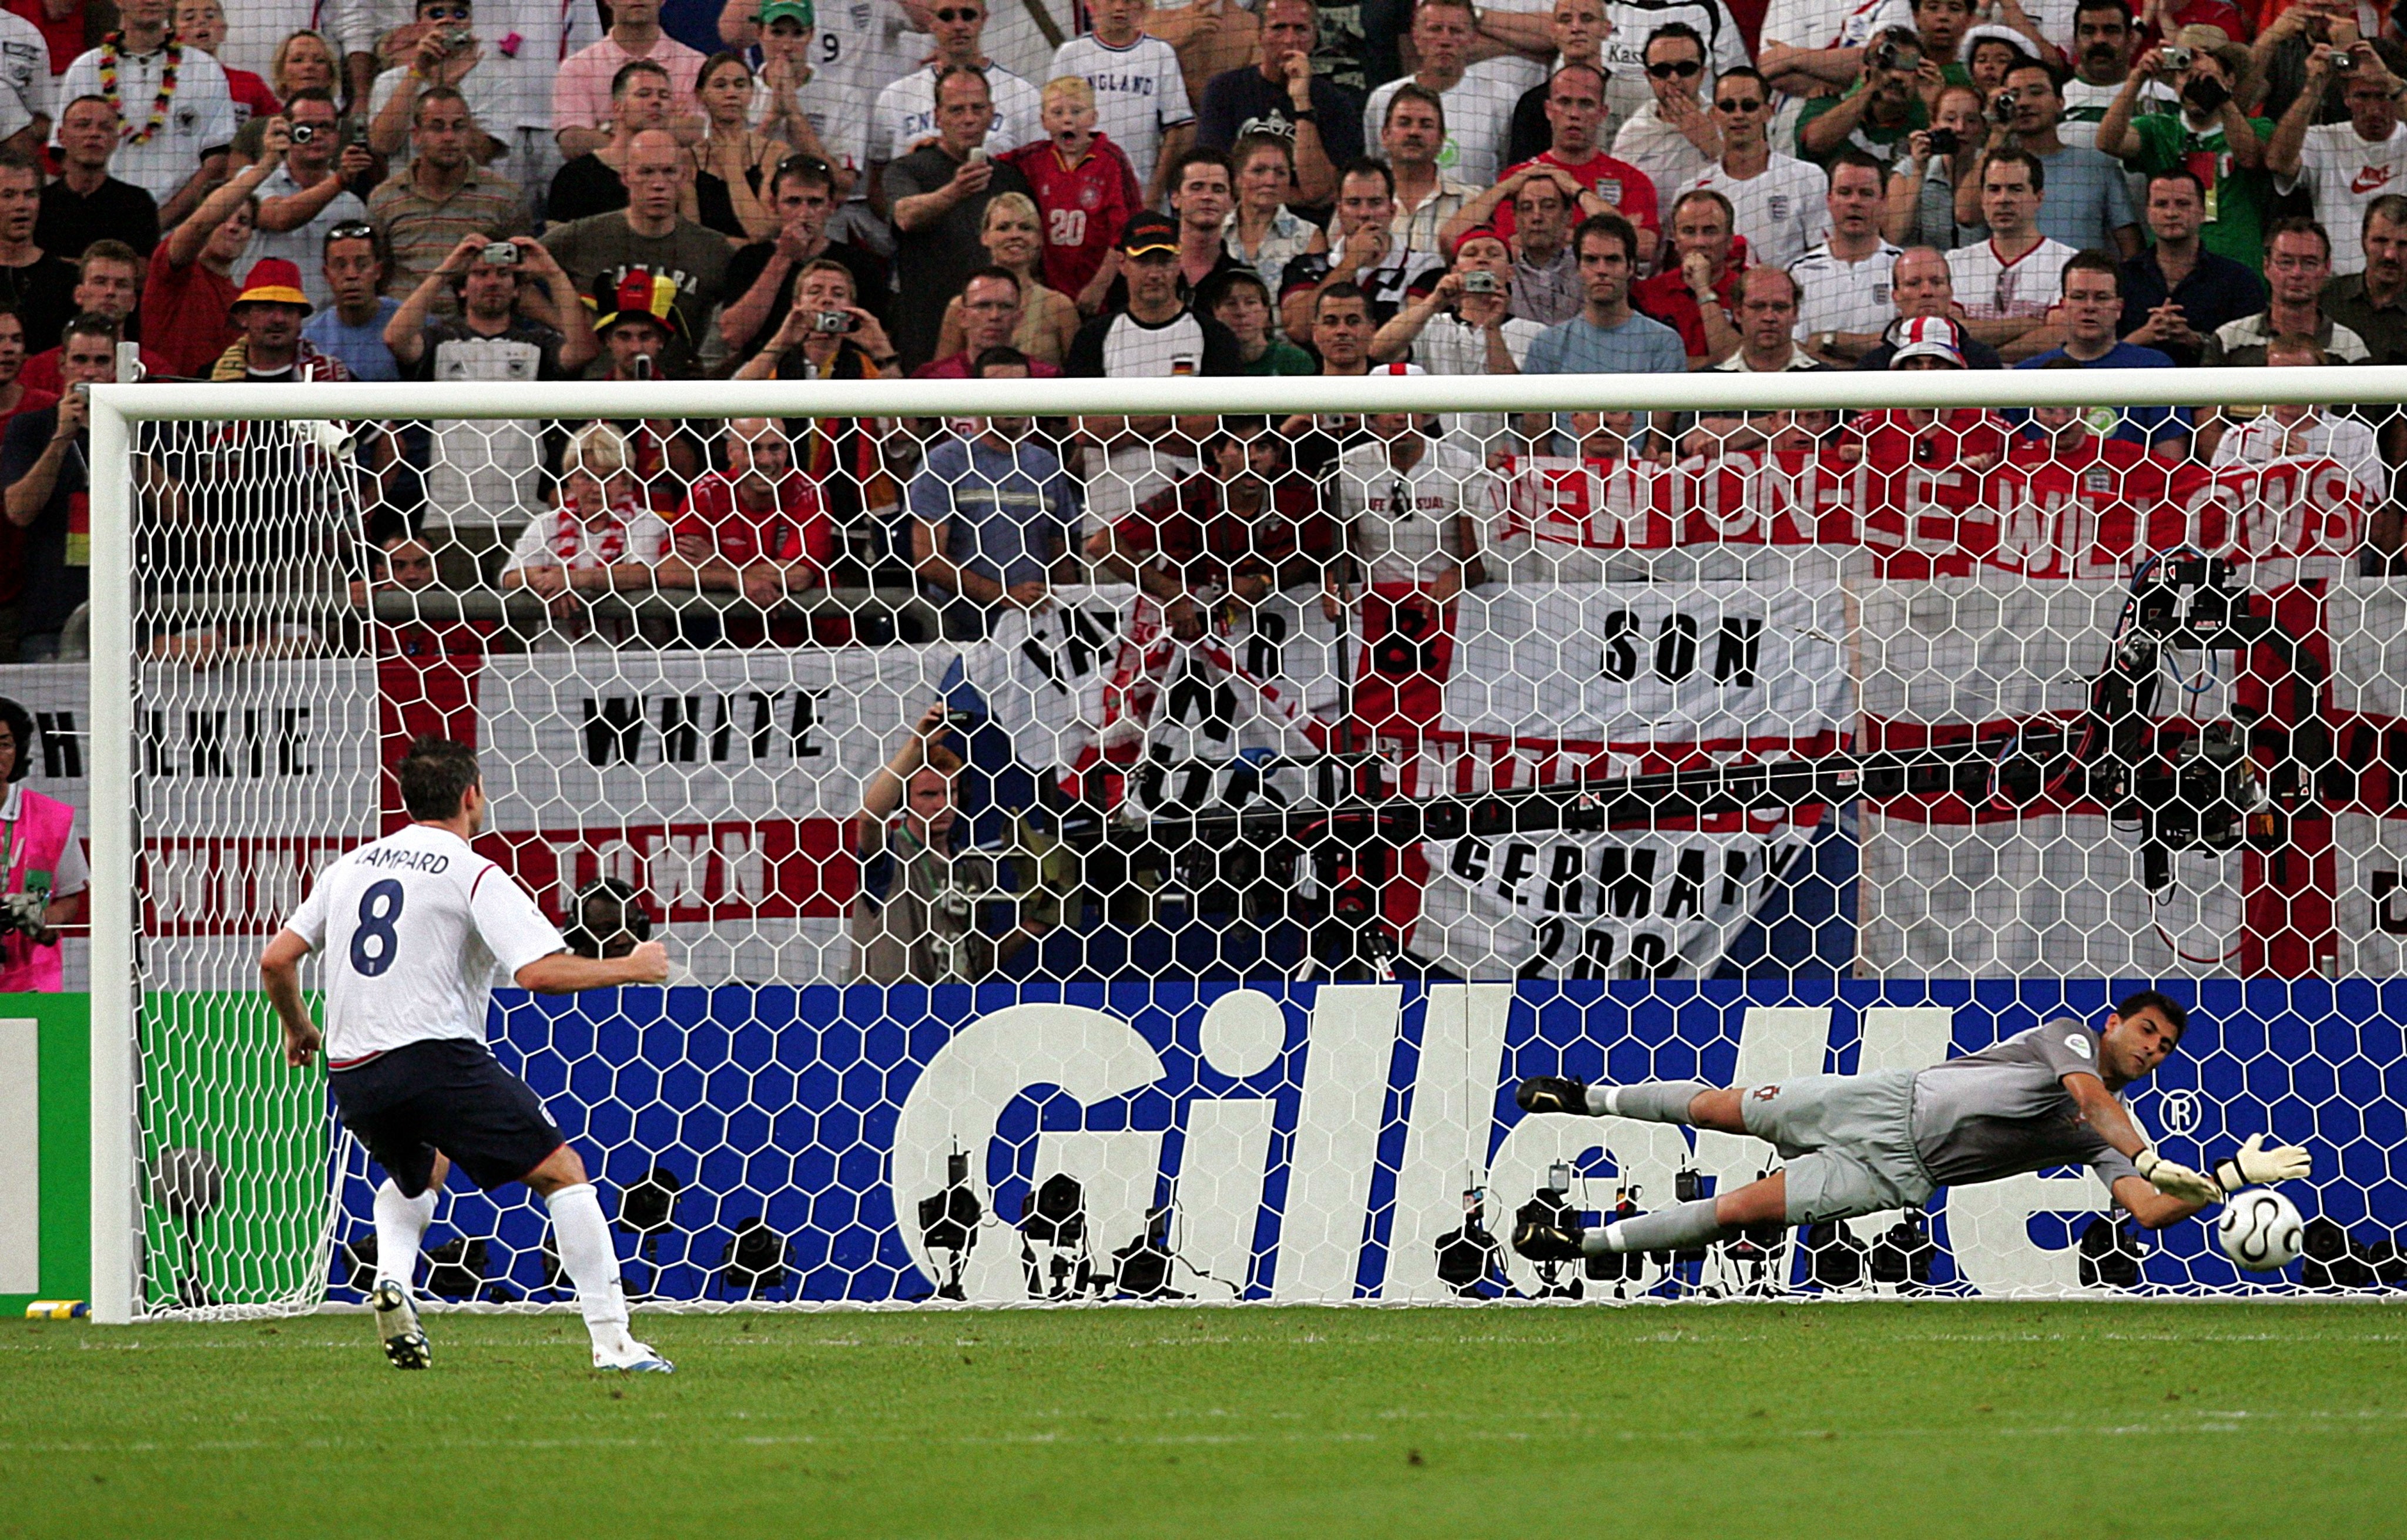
column 1084, row 187
column 758, row 528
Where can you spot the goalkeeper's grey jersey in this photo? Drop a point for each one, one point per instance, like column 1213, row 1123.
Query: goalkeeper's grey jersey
column 2004, row 1110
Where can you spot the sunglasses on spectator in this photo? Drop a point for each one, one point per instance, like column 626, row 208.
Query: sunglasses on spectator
column 802, row 163
column 444, row 13
column 965, row 13
column 352, row 230
column 1747, row 104
column 1669, row 68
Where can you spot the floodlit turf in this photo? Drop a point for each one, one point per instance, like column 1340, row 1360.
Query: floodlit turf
column 1925, row 1419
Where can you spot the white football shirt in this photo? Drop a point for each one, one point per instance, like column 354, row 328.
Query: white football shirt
column 1782, row 210
column 1989, row 288
column 1404, row 521
column 1140, row 92
column 414, row 927
column 1837, row 295
column 2344, row 173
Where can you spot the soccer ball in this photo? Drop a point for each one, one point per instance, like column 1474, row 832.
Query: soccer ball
column 2259, row 1231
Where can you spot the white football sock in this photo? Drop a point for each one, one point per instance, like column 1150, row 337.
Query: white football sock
column 587, row 1257
column 400, row 1228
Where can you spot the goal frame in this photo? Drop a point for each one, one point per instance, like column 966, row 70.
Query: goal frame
column 116, row 410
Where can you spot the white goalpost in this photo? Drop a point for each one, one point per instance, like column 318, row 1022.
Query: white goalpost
column 1357, row 748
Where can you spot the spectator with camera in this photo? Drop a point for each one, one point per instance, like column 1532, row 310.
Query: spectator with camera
column 2177, row 293
column 443, row 196
column 2207, row 128
column 310, row 192
column 2343, row 166
column 488, row 473
column 825, row 334
column 44, row 879
column 992, row 515
column 2089, row 201
column 84, row 203
column 1465, row 325
column 443, row 50
column 177, row 152
column 1923, row 181
column 1873, row 117
column 760, row 279
column 918, row 917
column 939, row 194
column 758, row 529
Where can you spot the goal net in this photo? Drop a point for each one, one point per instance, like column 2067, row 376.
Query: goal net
column 1125, row 839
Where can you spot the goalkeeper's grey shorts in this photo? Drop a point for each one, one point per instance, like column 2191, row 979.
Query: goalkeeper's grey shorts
column 1848, row 1140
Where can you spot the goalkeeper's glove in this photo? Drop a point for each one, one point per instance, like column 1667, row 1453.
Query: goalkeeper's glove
column 2255, row 1164
column 2175, row 1181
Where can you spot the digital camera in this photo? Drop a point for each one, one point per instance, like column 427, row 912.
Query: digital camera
column 2175, row 57
column 1480, row 283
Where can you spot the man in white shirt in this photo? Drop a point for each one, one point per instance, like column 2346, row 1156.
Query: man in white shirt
column 1464, row 325
column 1411, row 506
column 2306, row 432
column 1140, row 91
column 2008, row 283
column 171, row 137
column 415, row 928
column 1843, row 283
column 25, row 106
column 2345, row 166
column 1674, row 138
column 1778, row 202
column 1478, row 109
column 906, row 109
column 1634, row 22
column 487, row 81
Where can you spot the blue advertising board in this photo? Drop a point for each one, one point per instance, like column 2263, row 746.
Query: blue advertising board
column 1323, row 1143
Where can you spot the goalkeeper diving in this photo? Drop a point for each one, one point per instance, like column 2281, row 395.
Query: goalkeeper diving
column 1858, row 1144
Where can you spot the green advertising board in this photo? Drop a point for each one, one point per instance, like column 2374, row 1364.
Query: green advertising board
column 234, row 1160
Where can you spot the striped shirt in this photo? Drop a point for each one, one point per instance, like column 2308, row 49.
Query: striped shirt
column 424, row 230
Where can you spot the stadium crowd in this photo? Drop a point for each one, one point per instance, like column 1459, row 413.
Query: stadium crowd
column 514, row 191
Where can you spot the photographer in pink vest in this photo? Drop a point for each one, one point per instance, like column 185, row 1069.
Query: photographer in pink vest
column 42, row 871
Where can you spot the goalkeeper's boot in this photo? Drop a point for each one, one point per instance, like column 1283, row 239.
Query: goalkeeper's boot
column 1549, row 1240
column 630, row 1356
column 1552, row 1093
column 396, row 1322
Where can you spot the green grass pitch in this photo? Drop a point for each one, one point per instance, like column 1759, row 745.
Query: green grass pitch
column 1925, row 1419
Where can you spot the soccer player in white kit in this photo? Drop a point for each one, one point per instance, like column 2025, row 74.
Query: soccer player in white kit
column 416, row 926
